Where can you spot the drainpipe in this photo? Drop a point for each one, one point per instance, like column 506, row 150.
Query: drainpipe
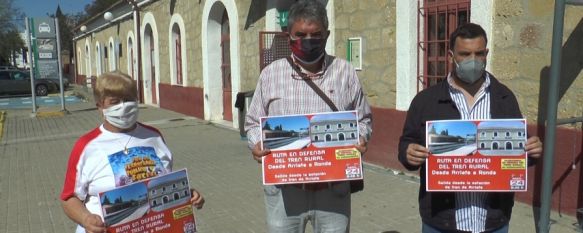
column 138, row 43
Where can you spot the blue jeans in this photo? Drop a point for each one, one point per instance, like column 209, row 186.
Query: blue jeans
column 289, row 208
column 428, row 229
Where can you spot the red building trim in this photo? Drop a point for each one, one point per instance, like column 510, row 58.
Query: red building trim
column 185, row 100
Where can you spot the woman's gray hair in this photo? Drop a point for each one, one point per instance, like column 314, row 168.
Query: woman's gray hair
column 309, row 10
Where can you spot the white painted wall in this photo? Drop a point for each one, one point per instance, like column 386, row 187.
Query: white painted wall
column 406, row 58
column 482, row 13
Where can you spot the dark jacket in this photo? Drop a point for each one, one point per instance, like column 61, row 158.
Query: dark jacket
column 437, row 209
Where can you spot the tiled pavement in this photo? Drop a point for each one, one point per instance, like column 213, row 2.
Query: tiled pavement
column 34, row 153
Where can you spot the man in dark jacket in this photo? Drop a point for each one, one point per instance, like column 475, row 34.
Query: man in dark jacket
column 469, row 92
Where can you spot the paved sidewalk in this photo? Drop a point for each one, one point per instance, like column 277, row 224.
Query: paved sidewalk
column 34, row 153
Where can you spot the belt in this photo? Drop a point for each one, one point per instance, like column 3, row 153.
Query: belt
column 313, row 186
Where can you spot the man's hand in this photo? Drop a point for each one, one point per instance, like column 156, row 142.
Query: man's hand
column 416, row 154
column 93, row 224
column 258, row 153
column 361, row 147
column 196, row 200
column 534, row 147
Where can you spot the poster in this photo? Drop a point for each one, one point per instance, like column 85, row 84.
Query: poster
column 480, row 155
column 311, row 148
column 160, row 204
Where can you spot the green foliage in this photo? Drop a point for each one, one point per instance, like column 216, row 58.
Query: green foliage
column 267, row 126
column 11, row 44
column 106, row 200
column 97, row 7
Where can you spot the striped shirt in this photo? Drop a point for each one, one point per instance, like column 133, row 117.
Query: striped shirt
column 470, row 214
column 281, row 91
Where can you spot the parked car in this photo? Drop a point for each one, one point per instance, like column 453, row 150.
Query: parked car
column 7, row 68
column 18, row 82
column 56, row 81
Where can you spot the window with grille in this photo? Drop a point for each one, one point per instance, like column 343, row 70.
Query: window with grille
column 437, row 20
column 272, row 46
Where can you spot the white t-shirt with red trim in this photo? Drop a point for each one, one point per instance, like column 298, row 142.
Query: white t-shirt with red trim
column 102, row 160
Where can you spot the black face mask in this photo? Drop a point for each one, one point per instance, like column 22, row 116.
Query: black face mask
column 308, row 50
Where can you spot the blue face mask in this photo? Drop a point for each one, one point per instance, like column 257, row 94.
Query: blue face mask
column 470, row 70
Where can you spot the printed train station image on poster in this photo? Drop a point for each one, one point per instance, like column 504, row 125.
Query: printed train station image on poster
column 451, row 138
column 159, row 204
column 311, row 148
column 476, row 155
column 300, row 131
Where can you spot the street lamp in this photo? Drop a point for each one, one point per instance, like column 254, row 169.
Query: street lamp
column 108, row 16
column 83, row 28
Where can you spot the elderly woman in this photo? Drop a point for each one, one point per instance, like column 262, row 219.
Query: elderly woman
column 94, row 161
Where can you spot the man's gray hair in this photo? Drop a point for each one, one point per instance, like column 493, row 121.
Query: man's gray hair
column 309, row 10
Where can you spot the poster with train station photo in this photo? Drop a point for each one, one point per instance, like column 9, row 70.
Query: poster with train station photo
column 476, row 155
column 160, row 204
column 311, row 148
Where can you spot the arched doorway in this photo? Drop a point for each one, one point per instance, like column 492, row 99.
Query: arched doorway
column 328, row 137
column 508, row 145
column 98, row 69
column 341, row 137
column 87, row 62
column 131, row 58
column 226, row 66
column 221, row 60
column 112, row 55
column 177, row 49
column 150, row 64
column 495, row 146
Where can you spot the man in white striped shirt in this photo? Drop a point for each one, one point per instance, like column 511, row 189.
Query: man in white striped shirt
column 282, row 90
column 469, row 92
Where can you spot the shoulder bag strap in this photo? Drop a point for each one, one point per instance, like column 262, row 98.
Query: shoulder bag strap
column 314, row 87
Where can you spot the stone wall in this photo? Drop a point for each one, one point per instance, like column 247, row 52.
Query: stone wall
column 521, row 55
column 251, row 22
column 374, row 21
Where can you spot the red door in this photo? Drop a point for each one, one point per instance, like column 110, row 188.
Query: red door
column 178, row 61
column 153, row 71
column 226, row 68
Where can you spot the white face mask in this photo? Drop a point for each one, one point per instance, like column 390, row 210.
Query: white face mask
column 123, row 115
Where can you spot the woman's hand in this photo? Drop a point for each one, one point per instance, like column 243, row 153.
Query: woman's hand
column 197, row 200
column 93, row 224
column 77, row 212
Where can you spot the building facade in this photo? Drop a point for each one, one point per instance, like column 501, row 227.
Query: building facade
column 333, row 130
column 168, row 194
column 193, row 57
column 501, row 139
